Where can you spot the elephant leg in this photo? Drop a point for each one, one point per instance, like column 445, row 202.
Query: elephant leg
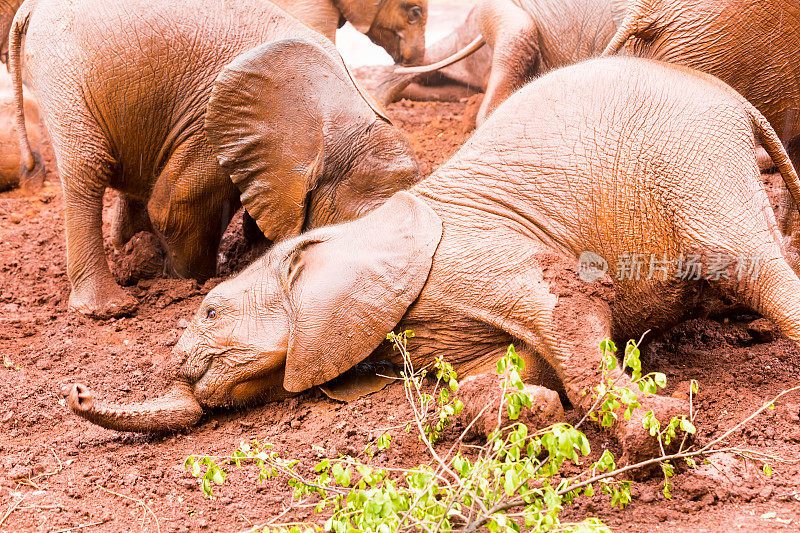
column 562, row 320
column 484, row 411
column 511, row 34
column 84, row 176
column 128, row 217
column 578, row 324
column 191, row 205
column 793, row 150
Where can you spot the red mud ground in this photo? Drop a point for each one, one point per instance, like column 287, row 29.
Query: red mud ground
column 59, row 472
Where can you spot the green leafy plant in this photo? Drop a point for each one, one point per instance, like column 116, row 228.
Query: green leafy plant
column 514, row 481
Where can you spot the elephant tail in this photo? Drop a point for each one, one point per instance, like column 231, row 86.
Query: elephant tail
column 29, row 161
column 630, row 26
column 774, row 147
column 468, row 50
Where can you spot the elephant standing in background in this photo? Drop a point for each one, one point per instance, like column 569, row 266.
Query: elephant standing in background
column 398, row 26
column 752, row 45
column 610, row 158
column 526, row 38
column 190, row 108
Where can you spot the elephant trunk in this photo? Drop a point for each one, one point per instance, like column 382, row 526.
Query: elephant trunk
column 176, row 409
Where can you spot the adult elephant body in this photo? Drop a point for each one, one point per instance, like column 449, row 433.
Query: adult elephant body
column 187, row 108
column 524, row 38
column 606, row 160
column 751, row 44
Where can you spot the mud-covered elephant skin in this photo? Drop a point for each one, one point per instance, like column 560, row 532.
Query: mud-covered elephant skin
column 189, row 108
column 524, row 39
column 398, row 26
column 752, row 45
column 616, row 158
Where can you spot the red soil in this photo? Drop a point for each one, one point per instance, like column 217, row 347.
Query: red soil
column 57, row 471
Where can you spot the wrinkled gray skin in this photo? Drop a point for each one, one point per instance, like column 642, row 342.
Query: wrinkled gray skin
column 524, row 38
column 613, row 156
column 750, row 44
column 191, row 108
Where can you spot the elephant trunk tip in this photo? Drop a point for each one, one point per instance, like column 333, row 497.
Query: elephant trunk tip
column 176, row 410
column 79, row 398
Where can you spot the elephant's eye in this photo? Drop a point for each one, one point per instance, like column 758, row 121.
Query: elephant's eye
column 211, row 313
column 414, row 14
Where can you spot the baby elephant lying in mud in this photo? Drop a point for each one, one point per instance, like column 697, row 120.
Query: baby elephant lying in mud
column 609, row 159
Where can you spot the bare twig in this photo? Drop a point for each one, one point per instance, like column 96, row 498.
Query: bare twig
column 11, row 509
column 81, row 526
column 138, row 502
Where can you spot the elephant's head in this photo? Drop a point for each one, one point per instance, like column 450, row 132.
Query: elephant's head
column 396, row 25
column 303, row 143
column 8, row 8
column 307, row 311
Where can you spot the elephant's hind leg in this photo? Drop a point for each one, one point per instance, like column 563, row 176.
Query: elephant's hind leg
column 511, row 33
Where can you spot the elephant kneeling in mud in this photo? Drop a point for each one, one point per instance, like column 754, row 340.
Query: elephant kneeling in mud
column 613, row 158
column 190, row 108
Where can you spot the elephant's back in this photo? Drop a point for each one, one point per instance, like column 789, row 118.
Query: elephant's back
column 145, row 69
column 622, row 142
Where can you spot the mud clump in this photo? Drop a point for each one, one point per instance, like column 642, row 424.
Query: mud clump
column 142, row 257
column 478, row 392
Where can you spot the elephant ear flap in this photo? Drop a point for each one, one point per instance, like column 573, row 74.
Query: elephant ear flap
column 360, row 13
column 349, row 285
column 264, row 128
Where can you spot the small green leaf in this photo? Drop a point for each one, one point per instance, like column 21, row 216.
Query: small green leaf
column 687, row 426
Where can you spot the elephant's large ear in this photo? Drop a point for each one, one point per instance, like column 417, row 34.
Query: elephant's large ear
column 264, row 122
column 349, row 285
column 360, row 13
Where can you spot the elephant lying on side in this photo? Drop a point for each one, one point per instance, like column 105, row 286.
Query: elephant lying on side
column 398, row 26
column 609, row 159
column 188, row 107
column 752, row 45
column 526, row 38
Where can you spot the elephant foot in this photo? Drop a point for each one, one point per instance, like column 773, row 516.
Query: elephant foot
column 478, row 392
column 108, row 301
column 637, row 443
